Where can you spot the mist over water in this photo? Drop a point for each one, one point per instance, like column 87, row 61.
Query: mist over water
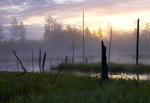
column 59, row 41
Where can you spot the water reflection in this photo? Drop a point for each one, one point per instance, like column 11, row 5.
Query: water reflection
column 11, row 65
column 111, row 75
column 125, row 76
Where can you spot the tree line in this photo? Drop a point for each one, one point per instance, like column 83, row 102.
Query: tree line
column 62, row 37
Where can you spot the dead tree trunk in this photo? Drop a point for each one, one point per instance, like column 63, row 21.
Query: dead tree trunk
column 43, row 64
column 110, row 42
column 104, row 70
column 83, row 38
column 66, row 59
column 73, row 51
column 32, row 61
column 40, row 60
column 86, row 60
column 137, row 44
column 24, row 69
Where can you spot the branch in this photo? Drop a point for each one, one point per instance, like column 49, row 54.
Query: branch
column 24, row 69
column 58, row 72
column 44, row 61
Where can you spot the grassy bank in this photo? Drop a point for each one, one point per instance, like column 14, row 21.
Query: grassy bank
column 113, row 68
column 67, row 88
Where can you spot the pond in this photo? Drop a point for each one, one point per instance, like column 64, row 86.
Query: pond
column 111, row 75
column 126, row 76
column 12, row 65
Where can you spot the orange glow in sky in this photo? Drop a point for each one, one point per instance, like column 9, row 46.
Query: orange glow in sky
column 121, row 14
column 119, row 22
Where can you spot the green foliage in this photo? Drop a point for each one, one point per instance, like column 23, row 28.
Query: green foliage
column 112, row 67
column 42, row 88
column 78, row 67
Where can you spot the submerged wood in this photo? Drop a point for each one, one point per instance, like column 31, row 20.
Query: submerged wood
column 58, row 72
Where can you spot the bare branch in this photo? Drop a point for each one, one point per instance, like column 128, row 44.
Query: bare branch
column 24, row 69
column 58, row 72
column 43, row 64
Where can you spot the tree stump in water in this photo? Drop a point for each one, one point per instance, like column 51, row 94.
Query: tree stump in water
column 104, row 70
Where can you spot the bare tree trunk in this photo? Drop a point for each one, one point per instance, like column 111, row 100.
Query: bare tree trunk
column 104, row 71
column 137, row 44
column 86, row 60
column 32, row 61
column 24, row 69
column 110, row 45
column 73, row 52
column 44, row 62
column 40, row 60
column 66, row 59
column 83, row 37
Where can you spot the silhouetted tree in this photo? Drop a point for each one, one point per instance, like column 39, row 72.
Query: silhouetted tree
column 1, row 33
column 100, row 32
column 14, row 29
column 62, row 36
column 49, row 27
column 88, row 33
column 88, row 38
column 22, row 31
column 145, row 37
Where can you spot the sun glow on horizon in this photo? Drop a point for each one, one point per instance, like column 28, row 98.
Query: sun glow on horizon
column 125, row 22
column 34, row 20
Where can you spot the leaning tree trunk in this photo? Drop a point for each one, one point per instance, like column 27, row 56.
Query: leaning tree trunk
column 24, row 69
column 40, row 57
column 104, row 70
column 43, row 64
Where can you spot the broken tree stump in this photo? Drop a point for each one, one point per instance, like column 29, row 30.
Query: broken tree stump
column 104, row 67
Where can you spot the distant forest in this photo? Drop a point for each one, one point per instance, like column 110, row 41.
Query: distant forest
column 58, row 39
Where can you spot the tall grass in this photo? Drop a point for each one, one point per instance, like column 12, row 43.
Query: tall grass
column 112, row 67
column 43, row 88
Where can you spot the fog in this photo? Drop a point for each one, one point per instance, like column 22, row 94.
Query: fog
column 58, row 40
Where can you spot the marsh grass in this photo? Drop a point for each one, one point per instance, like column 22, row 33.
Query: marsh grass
column 42, row 88
column 113, row 68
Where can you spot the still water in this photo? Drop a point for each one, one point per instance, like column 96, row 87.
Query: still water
column 13, row 65
column 113, row 75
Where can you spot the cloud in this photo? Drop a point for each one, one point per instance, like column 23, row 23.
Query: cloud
column 63, row 9
column 33, row 11
column 67, row 1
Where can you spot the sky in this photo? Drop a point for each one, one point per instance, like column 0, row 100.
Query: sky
column 121, row 14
